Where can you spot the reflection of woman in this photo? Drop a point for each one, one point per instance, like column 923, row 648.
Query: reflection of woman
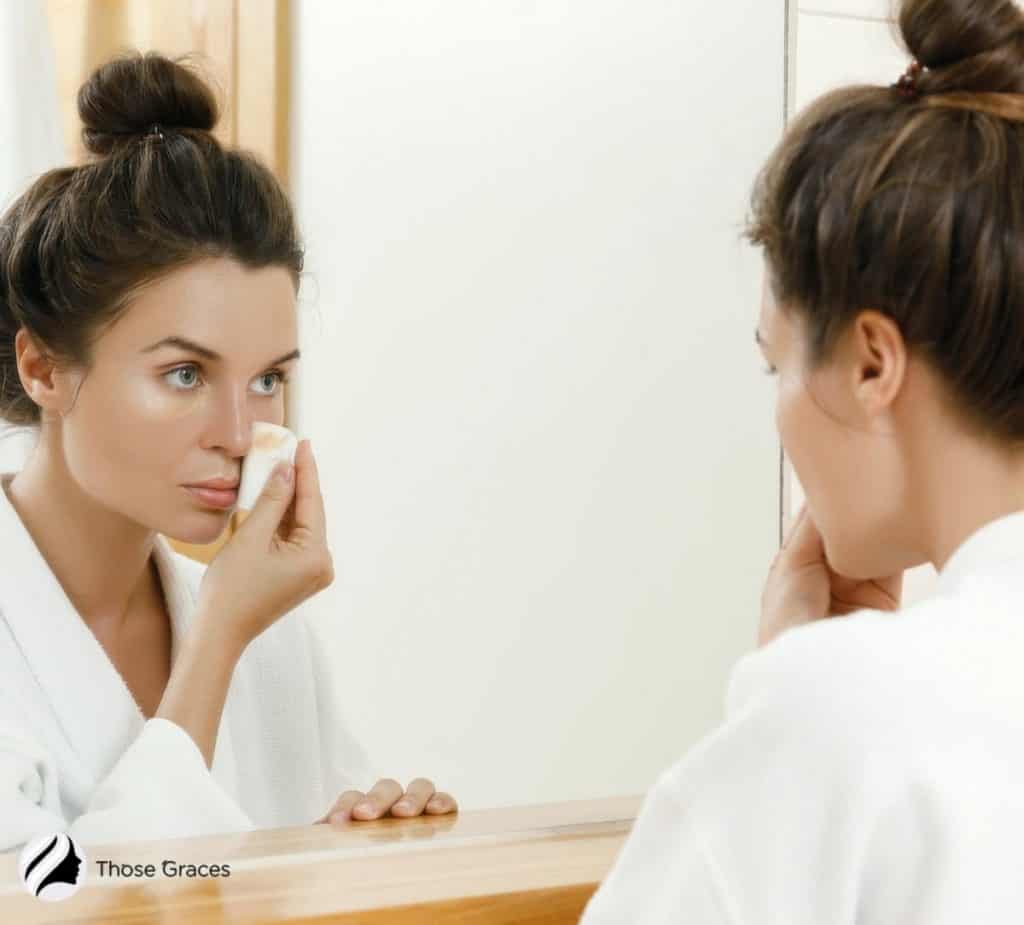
column 147, row 319
column 869, row 769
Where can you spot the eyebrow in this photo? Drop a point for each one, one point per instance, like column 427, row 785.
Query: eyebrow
column 185, row 344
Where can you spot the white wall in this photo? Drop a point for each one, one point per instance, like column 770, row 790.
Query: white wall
column 840, row 42
column 547, row 449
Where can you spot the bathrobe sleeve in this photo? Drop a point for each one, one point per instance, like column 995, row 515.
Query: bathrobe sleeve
column 159, row 788
column 344, row 764
column 764, row 818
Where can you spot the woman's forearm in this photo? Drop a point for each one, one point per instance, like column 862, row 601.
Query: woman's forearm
column 198, row 686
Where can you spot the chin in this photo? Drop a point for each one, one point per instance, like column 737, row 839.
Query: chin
column 854, row 567
column 202, row 530
column 839, row 562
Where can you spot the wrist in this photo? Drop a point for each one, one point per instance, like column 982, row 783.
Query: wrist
column 212, row 631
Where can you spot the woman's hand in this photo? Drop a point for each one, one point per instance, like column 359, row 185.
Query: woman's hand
column 276, row 559
column 802, row 587
column 387, row 796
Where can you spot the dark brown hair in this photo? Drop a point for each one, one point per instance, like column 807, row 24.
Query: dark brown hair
column 157, row 192
column 915, row 207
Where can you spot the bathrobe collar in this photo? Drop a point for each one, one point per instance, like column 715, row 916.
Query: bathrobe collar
column 994, row 546
column 93, row 705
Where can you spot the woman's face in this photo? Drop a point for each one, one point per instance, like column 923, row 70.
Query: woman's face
column 836, row 426
column 152, row 416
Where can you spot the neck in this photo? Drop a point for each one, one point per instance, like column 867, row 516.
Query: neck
column 961, row 484
column 101, row 558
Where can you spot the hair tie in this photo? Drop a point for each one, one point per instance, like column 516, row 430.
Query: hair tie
column 155, row 131
column 907, row 86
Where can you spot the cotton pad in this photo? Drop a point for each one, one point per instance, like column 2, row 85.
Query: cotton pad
column 271, row 444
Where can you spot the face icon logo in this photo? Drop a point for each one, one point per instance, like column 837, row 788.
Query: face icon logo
column 52, row 867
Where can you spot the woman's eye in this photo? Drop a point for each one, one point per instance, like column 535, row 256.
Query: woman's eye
column 275, row 376
column 187, row 383
column 182, row 369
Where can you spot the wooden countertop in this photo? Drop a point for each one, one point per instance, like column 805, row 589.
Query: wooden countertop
column 521, row 864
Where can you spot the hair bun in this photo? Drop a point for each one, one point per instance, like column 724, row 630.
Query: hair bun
column 132, row 92
column 975, row 46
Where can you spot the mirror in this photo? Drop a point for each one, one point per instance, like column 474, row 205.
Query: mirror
column 546, row 448
column 549, row 451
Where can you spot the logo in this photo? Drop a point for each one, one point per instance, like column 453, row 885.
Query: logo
column 52, row 867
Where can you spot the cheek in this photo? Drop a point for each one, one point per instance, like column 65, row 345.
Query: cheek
column 806, row 441
column 157, row 402
column 786, row 416
column 832, row 471
column 131, row 422
column 153, row 418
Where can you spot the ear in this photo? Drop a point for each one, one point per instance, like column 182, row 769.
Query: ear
column 46, row 383
column 881, row 365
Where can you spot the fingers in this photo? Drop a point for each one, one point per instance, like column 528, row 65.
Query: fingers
column 803, row 544
column 793, row 524
column 270, row 507
column 382, row 796
column 341, row 811
column 441, row 803
column 387, row 795
column 309, row 503
column 893, row 588
column 881, row 594
column 416, row 796
column 782, row 554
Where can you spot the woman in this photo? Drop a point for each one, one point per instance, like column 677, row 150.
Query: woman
column 869, row 767
column 147, row 319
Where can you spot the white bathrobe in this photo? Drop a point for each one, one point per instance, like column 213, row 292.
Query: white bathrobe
column 870, row 770
column 78, row 756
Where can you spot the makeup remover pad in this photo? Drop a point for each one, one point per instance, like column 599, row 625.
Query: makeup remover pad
column 271, row 444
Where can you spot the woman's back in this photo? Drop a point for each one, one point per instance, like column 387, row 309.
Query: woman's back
column 868, row 771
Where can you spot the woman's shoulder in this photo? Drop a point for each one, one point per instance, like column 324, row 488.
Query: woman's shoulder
column 821, row 697
column 839, row 658
column 862, row 681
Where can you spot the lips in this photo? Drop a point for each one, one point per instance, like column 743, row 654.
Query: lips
column 213, row 497
column 218, row 484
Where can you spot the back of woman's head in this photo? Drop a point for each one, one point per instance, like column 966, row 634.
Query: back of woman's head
column 914, row 206
column 157, row 192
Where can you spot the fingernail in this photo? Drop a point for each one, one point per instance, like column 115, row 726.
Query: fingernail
column 403, row 804
column 364, row 807
column 284, row 473
column 336, row 817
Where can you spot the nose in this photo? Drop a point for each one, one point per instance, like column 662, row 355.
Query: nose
column 230, row 424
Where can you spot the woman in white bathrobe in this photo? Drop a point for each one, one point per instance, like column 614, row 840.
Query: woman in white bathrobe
column 870, row 766
column 147, row 320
